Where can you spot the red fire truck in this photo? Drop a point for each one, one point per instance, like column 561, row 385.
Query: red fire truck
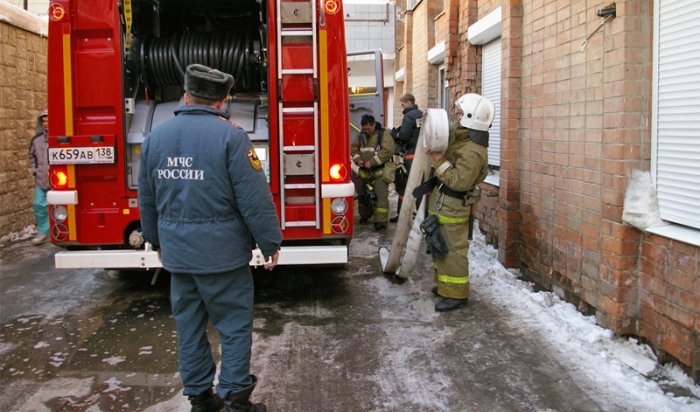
column 116, row 71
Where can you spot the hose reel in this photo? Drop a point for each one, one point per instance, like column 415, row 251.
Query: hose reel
column 163, row 60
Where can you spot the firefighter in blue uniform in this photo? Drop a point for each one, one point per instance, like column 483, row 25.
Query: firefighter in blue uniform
column 205, row 204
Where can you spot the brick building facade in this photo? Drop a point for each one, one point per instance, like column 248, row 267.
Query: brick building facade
column 23, row 64
column 578, row 107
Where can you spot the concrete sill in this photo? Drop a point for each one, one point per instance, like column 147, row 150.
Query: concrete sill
column 494, row 179
column 677, row 232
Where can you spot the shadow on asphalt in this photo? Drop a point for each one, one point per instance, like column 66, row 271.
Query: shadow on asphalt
column 299, row 283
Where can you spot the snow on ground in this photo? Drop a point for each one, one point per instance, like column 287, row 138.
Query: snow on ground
column 628, row 369
column 25, row 233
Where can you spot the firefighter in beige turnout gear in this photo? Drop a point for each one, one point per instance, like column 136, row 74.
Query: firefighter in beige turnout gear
column 459, row 170
column 372, row 151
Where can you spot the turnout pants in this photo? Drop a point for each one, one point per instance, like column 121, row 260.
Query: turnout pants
column 378, row 209
column 452, row 272
column 227, row 300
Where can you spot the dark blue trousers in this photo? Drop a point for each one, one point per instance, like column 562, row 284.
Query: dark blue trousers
column 227, row 300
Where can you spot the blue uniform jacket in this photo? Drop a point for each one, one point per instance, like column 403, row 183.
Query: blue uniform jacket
column 203, row 197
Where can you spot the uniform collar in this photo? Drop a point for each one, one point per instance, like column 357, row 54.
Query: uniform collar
column 196, row 109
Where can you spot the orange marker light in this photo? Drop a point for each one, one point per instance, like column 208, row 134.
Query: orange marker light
column 331, row 6
column 56, row 12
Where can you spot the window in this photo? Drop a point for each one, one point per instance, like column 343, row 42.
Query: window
column 411, row 4
column 491, row 89
column 676, row 111
column 443, row 90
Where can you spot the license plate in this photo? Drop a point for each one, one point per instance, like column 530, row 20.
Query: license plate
column 81, row 155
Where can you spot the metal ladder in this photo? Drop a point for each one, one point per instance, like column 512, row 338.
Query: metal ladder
column 297, row 20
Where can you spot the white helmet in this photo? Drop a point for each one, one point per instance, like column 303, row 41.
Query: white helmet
column 477, row 110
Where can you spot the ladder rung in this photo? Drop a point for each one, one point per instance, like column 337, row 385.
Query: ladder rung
column 300, row 200
column 301, row 223
column 300, row 186
column 297, row 110
column 299, row 148
column 296, row 32
column 297, row 71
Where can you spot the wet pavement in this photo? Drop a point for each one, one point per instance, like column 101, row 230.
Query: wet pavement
column 325, row 339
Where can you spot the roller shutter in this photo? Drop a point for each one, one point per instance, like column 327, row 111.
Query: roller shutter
column 676, row 116
column 491, row 89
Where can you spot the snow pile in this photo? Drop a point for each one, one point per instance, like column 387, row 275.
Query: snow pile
column 627, row 368
column 641, row 208
column 25, row 233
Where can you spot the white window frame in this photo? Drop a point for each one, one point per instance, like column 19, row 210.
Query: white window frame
column 674, row 117
column 412, row 4
column 443, row 89
column 480, row 33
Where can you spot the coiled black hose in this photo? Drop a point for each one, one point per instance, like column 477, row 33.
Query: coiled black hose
column 164, row 59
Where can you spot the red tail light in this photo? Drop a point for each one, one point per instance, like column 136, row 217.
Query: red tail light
column 58, row 178
column 338, row 172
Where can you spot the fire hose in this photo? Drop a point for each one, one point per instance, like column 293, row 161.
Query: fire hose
column 433, row 137
column 164, row 59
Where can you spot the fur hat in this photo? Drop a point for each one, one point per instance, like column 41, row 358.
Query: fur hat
column 207, row 83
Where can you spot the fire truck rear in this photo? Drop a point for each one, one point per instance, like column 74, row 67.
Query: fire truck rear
column 116, row 72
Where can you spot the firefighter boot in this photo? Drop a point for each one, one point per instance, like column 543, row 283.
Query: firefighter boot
column 239, row 401
column 206, row 401
column 447, row 304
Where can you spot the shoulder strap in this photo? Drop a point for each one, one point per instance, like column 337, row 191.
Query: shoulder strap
column 380, row 135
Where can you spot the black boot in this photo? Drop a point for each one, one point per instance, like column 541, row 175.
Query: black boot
column 447, row 304
column 239, row 401
column 206, row 401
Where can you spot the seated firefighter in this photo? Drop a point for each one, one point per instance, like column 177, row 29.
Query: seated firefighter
column 372, row 151
column 455, row 190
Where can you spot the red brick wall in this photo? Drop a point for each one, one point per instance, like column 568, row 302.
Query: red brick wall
column 584, row 124
column 669, row 303
column 575, row 119
column 421, row 44
column 487, row 213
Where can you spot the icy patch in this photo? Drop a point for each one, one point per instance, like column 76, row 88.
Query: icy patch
column 146, row 350
column 57, row 359
column 41, row 344
column 406, row 377
column 364, row 247
column 6, row 347
column 114, row 360
column 177, row 403
column 66, row 388
column 316, row 311
column 115, row 385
